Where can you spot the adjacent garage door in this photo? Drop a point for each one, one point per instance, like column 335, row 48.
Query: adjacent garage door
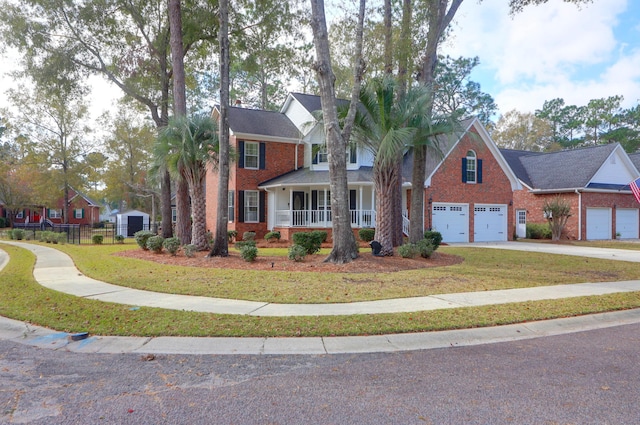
column 627, row 223
column 452, row 221
column 598, row 223
column 490, row 223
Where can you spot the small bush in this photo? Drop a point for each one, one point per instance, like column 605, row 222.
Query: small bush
column 119, row 239
column 62, row 238
column 434, row 237
column 272, row 236
column 3, row 222
column 408, row 250
column 210, row 239
column 249, row 253
column 172, row 245
column 243, row 244
column 28, row 235
column 538, row 231
column 297, row 253
column 38, row 236
column 249, row 236
column 366, row 235
column 97, row 239
column 190, row 250
column 310, row 241
column 18, row 234
column 425, row 248
column 321, row 234
column 154, row 243
column 232, row 235
column 142, row 237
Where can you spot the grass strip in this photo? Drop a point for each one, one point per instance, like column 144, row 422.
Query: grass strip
column 21, row 298
column 481, row 270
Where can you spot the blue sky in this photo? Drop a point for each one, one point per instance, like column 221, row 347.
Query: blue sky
column 548, row 51
column 552, row 50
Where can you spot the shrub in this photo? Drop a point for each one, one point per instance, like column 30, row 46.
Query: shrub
column 210, row 239
column 249, row 236
column 242, row 244
column 232, row 234
column 297, row 253
column 154, row 243
column 538, row 231
column 3, row 222
column 97, row 239
column 425, row 248
column 62, row 238
column 321, row 234
column 141, row 238
column 408, row 250
column 28, row 235
column 18, row 234
column 366, row 235
column 249, row 253
column 172, row 245
column 119, row 239
column 272, row 236
column 310, row 241
column 434, row 237
column 37, row 236
column 190, row 250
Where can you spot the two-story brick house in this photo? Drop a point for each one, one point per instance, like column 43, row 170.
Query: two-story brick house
column 474, row 191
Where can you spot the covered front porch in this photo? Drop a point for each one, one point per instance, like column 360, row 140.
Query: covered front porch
column 310, row 207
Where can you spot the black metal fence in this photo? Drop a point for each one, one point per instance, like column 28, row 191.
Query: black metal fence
column 80, row 234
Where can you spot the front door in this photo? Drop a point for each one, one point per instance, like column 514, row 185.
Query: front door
column 299, row 207
column 521, row 226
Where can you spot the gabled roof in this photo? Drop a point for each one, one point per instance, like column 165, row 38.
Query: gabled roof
column 312, row 102
column 306, row 177
column 570, row 169
column 90, row 201
column 635, row 158
column 262, row 124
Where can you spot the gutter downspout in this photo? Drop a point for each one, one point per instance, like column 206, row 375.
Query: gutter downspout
column 579, row 214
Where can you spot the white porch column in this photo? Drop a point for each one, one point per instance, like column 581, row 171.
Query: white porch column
column 360, row 206
column 326, row 212
column 373, row 206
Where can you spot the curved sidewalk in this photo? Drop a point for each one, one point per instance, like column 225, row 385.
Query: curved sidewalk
column 55, row 270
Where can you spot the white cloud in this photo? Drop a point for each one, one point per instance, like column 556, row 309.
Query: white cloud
column 548, row 51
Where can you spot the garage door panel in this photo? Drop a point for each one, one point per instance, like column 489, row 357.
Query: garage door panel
column 490, row 223
column 598, row 223
column 452, row 221
column 627, row 223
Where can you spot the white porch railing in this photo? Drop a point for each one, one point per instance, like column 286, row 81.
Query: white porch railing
column 405, row 224
column 321, row 218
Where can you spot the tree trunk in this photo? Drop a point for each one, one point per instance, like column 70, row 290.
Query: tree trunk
column 386, row 183
column 221, row 243
column 345, row 248
column 199, row 222
column 183, row 211
column 439, row 19
column 398, row 235
column 165, row 205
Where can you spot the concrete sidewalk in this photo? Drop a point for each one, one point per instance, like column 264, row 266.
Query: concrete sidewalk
column 56, row 270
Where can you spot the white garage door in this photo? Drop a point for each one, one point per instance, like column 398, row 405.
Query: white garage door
column 598, row 223
column 490, row 223
column 627, row 223
column 452, row 221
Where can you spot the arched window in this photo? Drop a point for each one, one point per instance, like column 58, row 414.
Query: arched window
column 471, row 167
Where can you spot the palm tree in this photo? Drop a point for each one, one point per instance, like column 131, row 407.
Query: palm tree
column 186, row 146
column 388, row 127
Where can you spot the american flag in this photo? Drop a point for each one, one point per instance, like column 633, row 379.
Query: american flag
column 635, row 188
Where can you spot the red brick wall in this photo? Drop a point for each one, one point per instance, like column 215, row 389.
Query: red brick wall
column 280, row 159
column 447, row 185
column 523, row 199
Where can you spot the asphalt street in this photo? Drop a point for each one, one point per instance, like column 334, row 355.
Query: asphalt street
column 590, row 377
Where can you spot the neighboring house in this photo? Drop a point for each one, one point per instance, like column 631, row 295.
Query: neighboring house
column 82, row 210
column 474, row 191
column 594, row 180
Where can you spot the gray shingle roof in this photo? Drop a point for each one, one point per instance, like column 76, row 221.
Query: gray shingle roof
column 261, row 122
column 305, row 177
column 312, row 103
column 635, row 158
column 558, row 170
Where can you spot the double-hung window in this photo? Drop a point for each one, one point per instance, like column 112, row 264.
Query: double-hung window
column 78, row 213
column 251, row 155
column 471, row 167
column 232, row 210
column 251, row 202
